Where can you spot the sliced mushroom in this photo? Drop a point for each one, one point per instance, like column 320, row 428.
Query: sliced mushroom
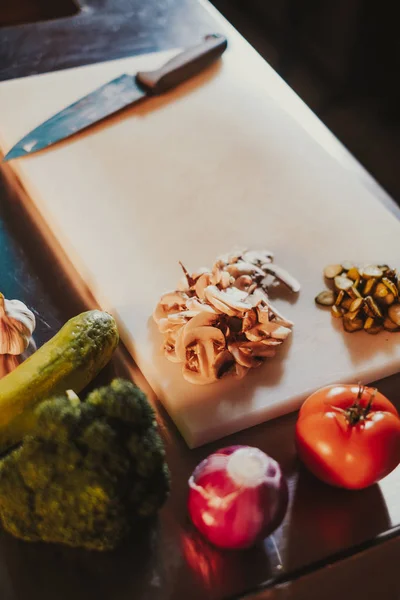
column 244, row 268
column 220, row 277
column 252, row 354
column 202, row 319
column 259, row 296
column 203, row 281
column 228, row 303
column 236, row 294
column 263, row 313
column 231, row 258
column 167, row 326
column 187, row 282
column 202, row 346
column 169, row 350
column 240, row 371
column 280, row 332
column 170, row 302
column 244, row 356
column 264, row 310
column 265, row 330
column 195, row 305
column 180, row 349
column 249, row 320
column 225, row 364
column 244, row 282
column 182, row 317
column 226, row 280
column 283, row 276
column 258, row 257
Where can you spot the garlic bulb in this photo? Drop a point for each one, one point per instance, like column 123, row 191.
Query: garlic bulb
column 8, row 362
column 17, row 323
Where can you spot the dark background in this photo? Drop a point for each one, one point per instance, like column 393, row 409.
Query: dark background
column 342, row 58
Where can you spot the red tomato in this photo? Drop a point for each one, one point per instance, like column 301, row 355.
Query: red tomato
column 348, row 435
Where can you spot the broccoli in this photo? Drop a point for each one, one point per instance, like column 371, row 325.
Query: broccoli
column 88, row 472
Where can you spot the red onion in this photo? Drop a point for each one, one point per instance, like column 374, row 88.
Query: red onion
column 237, row 496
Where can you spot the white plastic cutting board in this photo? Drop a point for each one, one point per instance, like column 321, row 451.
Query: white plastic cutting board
column 231, row 159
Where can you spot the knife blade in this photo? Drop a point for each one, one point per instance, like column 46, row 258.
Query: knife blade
column 118, row 94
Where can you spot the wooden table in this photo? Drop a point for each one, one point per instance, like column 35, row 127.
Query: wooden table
column 332, row 542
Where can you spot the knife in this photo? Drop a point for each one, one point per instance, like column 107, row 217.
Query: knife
column 118, row 94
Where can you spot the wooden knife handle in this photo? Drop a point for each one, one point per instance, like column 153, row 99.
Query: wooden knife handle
column 185, row 65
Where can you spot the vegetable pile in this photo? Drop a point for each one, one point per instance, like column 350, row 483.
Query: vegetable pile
column 221, row 321
column 364, row 297
column 88, row 472
column 70, row 360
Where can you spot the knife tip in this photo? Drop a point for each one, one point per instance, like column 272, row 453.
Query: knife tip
column 13, row 153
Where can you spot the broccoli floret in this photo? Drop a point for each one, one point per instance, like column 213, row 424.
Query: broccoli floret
column 88, row 472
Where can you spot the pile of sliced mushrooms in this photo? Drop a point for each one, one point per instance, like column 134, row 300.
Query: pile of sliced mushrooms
column 221, row 321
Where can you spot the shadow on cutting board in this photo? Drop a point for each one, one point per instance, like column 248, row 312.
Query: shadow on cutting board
column 362, row 346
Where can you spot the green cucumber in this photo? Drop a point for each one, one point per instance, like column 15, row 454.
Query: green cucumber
column 70, row 360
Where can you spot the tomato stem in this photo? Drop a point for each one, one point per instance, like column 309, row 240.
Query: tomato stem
column 357, row 413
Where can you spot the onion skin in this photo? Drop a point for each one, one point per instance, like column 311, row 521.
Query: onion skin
column 231, row 514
